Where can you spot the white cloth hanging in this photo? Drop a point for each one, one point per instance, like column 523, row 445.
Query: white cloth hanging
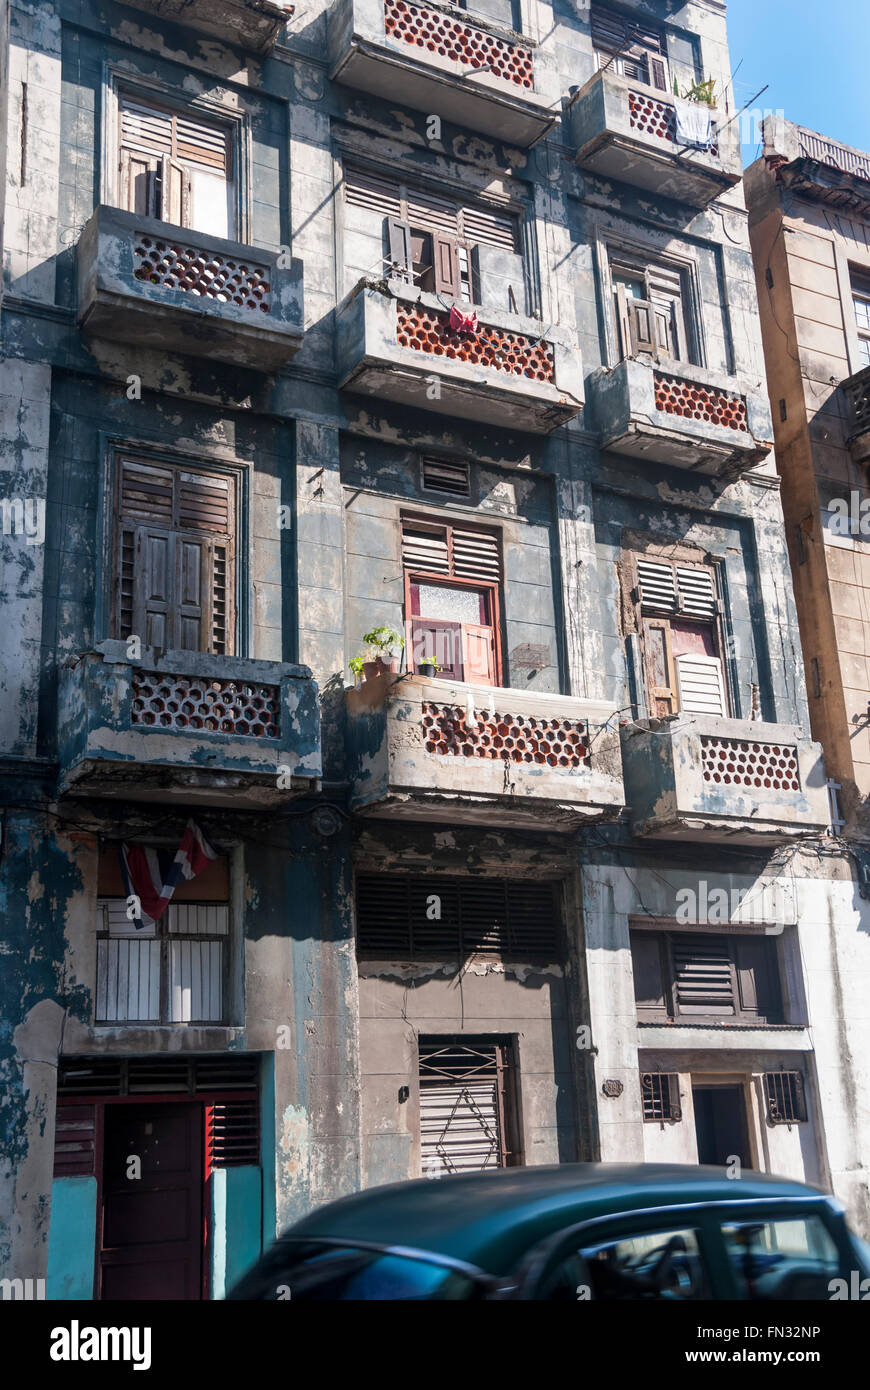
column 694, row 124
column 470, row 716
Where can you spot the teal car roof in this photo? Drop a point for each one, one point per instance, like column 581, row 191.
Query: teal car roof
column 491, row 1219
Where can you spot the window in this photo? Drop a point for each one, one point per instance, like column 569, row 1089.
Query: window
column 440, row 245
column 402, row 917
column 176, row 166
column 171, row 971
column 640, row 1264
column 649, row 310
column 785, row 1098
column 632, row 49
column 793, row 1258
column 861, row 301
column 680, row 633
column 505, row 12
column 693, row 977
column 174, row 556
column 660, row 1095
column 449, row 476
column 467, row 1105
column 452, row 585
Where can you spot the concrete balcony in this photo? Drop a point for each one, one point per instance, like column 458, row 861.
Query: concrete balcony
column 625, row 131
column 251, row 24
column 207, row 730
column 856, row 389
column 395, row 342
column 437, row 58
column 726, row 781
column 147, row 283
column 434, row 750
column 812, row 166
column 678, row 414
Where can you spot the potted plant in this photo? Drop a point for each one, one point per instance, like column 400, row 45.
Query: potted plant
column 383, row 647
column 428, row 666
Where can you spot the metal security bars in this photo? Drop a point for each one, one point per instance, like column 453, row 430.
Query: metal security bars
column 401, row 917
column 785, row 1097
column 170, row 972
column 467, row 1105
column 660, row 1095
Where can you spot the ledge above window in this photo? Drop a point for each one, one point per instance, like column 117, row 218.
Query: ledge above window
column 441, row 60
column 177, row 290
column 252, row 24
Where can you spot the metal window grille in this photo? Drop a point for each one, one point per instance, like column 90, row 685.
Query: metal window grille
column 660, row 1094
column 466, row 1105
column 785, row 1097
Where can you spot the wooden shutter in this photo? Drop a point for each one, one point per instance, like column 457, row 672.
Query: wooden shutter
column 401, row 254
column 147, row 491
column 476, row 555
column 75, row 1140
column 451, row 476
column 641, row 326
column 659, row 663
column 145, row 127
column 701, row 688
column 153, row 604
column 202, row 142
column 623, row 321
column 703, row 976
column 425, row 549
column 664, row 329
column 758, row 978
column 697, row 591
column 478, row 654
column 138, row 191
column 205, row 502
column 658, row 74
column 174, row 192
column 232, row 1134
column 446, row 262
column 364, row 190
column 418, row 918
column 440, row 640
column 650, row 990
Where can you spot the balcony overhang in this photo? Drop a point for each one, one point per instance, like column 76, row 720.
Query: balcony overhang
column 681, row 415
column 438, row 59
column 857, row 392
column 251, row 24
column 395, row 343
column 627, row 132
column 811, row 166
column 187, row 726
column 145, row 282
column 726, row 781
column 421, row 749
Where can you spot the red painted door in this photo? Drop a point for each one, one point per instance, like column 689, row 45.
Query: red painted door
column 151, row 1242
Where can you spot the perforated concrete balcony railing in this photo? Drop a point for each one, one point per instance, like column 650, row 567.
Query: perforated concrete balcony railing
column 145, row 282
column 679, row 414
column 726, row 780
column 213, row 730
column 857, row 393
column 396, row 342
column 626, row 131
column 431, row 749
column 251, row 24
column 448, row 62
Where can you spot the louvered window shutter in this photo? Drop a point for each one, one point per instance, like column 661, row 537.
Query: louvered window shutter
column 700, row 683
column 658, row 590
column 658, row 74
column 697, row 591
column 476, row 555
column 703, row 976
column 425, row 550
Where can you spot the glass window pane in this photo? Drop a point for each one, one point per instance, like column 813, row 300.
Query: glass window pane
column 454, row 605
column 651, row 1265
column 790, row 1259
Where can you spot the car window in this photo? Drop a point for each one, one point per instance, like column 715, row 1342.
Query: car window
column 663, row 1264
column 795, row 1257
column 324, row 1272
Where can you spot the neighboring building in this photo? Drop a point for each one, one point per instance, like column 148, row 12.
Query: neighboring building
column 453, row 921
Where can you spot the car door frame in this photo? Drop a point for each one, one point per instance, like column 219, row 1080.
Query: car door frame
column 783, row 1209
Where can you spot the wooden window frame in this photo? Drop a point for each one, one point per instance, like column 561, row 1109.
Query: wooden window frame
column 450, row 580
column 120, row 523
column 613, row 57
column 659, row 299
column 670, row 1013
column 657, row 620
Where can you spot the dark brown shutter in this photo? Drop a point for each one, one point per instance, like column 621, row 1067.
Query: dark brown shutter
column 364, row 190
column 412, row 918
column 401, row 253
column 232, row 1134
column 75, row 1141
column 449, row 476
column 658, row 74
column 650, row 990
column 758, row 978
column 641, row 327
column 446, row 265
column 703, row 975
column 205, row 502
column 146, row 491
column 138, row 191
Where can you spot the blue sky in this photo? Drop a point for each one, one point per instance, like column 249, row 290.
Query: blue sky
column 815, row 54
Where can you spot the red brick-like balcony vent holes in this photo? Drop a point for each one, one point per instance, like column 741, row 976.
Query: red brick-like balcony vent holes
column 557, row 743
column 732, row 762
column 204, row 273
column 695, row 402
column 435, row 32
column 208, row 706
column 489, row 347
column 652, row 117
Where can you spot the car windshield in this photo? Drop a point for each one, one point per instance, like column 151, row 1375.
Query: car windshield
column 318, row 1271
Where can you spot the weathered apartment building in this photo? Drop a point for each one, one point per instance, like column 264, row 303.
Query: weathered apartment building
column 440, row 318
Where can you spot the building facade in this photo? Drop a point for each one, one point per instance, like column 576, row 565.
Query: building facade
column 440, row 320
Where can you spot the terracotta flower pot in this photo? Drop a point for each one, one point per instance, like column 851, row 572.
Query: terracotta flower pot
column 378, row 667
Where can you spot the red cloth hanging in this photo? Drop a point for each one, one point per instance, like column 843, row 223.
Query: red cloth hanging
column 462, row 323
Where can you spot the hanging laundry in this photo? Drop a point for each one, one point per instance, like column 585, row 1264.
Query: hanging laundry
column 462, row 323
column 694, row 124
column 152, row 875
column 470, row 716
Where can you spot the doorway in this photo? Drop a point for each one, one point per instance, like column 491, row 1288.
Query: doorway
column 720, row 1125
column 151, row 1229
